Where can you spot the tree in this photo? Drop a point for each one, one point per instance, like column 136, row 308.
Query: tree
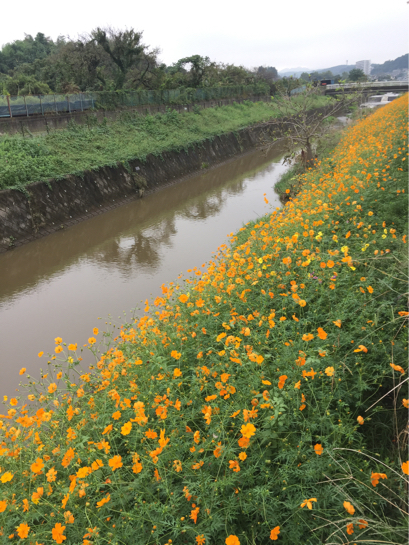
column 123, row 47
column 301, row 126
column 356, row 74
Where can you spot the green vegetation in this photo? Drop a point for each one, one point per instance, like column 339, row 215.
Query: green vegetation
column 111, row 60
column 258, row 400
column 89, row 147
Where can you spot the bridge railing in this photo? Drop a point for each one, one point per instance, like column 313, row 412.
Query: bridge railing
column 369, row 84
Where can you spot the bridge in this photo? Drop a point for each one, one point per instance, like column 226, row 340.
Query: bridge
column 370, row 87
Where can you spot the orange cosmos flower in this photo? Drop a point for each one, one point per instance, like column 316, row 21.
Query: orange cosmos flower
column 218, row 450
column 337, row 323
column 22, row 371
column 126, row 428
column 361, row 348
column 35, row 498
column 362, row 524
column 104, row 501
column 58, row 349
column 57, row 533
column 248, row 430
column 177, row 373
column 115, row 462
column 72, row 347
column 297, row 385
column 107, row 429
column 360, row 420
column 37, row 466
column 194, row 513
column 116, row 415
column 95, row 331
column 243, row 442
column 234, row 465
column 151, row 434
column 183, row 298
column 242, row 456
column 318, row 449
column 376, row 476
column 350, row 528
column 274, row 533
column 51, row 475
column 177, row 465
column 281, row 381
column 96, row 465
column 175, row 354
column 224, row 377
column 23, row 530
column 308, row 503
column 200, row 540
column 405, row 467
column 69, row 518
column 370, row 289
column 52, row 388
column 40, row 354
column 92, row 340
column 3, row 506
column 321, row 333
column 6, row 477
column 349, row 507
column 232, row 540
column 13, row 401
column 397, row 368
column 307, row 337
column 405, row 403
column 329, row 371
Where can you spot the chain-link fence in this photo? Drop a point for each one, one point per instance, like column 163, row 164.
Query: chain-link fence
column 16, row 106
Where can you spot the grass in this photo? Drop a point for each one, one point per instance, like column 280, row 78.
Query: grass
column 261, row 400
column 82, row 148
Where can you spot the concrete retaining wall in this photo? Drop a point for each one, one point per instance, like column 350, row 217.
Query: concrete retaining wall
column 47, row 207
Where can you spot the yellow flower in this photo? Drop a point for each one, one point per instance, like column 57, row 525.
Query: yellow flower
column 308, row 503
column 329, row 371
column 6, row 477
column 349, row 507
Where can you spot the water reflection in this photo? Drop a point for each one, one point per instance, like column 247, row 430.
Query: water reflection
column 59, row 285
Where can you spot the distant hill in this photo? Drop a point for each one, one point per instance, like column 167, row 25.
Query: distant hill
column 296, row 72
column 388, row 66
column 337, row 70
column 286, row 72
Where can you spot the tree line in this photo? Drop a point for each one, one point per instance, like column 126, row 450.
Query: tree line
column 111, row 60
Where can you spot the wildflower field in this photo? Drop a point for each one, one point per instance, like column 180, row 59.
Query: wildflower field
column 261, row 399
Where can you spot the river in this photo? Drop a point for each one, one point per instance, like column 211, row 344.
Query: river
column 59, row 285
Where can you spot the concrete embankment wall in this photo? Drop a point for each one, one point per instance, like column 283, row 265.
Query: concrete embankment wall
column 42, row 123
column 47, row 207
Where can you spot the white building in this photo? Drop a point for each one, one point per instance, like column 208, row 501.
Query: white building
column 365, row 66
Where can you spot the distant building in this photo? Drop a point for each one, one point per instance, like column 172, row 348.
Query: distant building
column 365, row 66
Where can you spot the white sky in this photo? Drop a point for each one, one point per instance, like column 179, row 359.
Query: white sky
column 280, row 33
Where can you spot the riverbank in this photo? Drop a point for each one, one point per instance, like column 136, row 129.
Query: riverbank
column 84, row 170
column 254, row 402
column 44, row 208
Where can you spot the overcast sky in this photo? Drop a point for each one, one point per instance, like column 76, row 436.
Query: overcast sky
column 285, row 34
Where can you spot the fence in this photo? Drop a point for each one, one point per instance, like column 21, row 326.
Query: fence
column 16, row 106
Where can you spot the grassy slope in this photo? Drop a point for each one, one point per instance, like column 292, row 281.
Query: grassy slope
column 224, row 411
column 80, row 148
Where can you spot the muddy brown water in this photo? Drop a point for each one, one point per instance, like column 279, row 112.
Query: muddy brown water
column 59, row 286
